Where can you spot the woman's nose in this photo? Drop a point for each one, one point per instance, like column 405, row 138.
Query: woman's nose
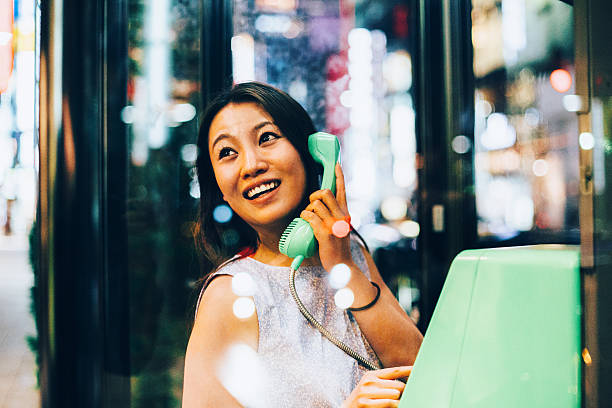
column 253, row 165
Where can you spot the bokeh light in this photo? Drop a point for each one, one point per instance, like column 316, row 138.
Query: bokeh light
column 586, row 356
column 243, row 57
column 243, row 375
column 243, row 284
column 359, row 37
column 461, row 144
column 393, row 208
column 586, row 141
column 339, row 276
column 273, row 23
column 344, row 298
column 194, row 188
column 499, row 133
column 341, row 228
column 572, row 103
column 243, row 307
column 484, row 108
column 540, row 167
column 222, row 213
column 532, row 117
column 127, row 114
column 182, row 112
column 189, row 153
column 409, row 229
column 561, row 80
column 397, row 71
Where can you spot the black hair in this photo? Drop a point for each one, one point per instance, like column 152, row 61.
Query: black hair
column 218, row 242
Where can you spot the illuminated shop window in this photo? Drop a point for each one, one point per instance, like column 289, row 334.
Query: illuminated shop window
column 526, row 134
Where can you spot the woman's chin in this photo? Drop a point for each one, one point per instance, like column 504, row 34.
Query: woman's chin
column 272, row 223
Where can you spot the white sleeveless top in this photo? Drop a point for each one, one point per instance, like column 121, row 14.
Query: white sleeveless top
column 297, row 365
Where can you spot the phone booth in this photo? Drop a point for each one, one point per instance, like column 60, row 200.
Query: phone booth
column 506, row 332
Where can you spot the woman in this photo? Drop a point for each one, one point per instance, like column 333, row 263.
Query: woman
column 254, row 158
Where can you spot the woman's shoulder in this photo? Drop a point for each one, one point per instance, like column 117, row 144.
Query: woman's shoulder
column 222, row 279
column 216, row 322
column 231, row 266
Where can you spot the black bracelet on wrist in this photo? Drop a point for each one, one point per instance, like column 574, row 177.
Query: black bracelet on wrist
column 369, row 305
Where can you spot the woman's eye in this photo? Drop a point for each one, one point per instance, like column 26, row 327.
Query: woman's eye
column 226, row 151
column 266, row 137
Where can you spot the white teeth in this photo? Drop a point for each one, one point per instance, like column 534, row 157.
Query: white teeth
column 261, row 188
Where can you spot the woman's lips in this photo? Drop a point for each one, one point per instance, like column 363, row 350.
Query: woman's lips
column 265, row 194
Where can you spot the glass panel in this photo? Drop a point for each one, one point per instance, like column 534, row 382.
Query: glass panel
column 18, row 167
column 350, row 65
column 163, row 100
column 526, row 130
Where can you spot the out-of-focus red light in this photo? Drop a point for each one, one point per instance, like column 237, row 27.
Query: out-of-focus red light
column 401, row 14
column 341, row 228
column 561, row 80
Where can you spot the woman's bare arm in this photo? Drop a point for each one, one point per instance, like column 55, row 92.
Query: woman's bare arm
column 215, row 330
column 389, row 330
column 391, row 333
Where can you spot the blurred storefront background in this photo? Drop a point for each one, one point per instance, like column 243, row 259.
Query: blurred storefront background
column 526, row 129
column 457, row 121
column 352, row 65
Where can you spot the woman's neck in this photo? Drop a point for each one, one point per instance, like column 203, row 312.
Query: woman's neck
column 267, row 252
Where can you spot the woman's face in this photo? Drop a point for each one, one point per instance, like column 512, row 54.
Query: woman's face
column 259, row 172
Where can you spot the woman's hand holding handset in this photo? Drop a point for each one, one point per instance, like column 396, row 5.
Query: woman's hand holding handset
column 376, row 323
column 379, row 388
column 322, row 212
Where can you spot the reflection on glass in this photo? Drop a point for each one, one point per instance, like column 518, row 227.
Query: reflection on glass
column 162, row 103
column 526, row 150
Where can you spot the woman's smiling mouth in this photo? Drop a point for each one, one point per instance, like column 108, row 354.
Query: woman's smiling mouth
column 261, row 189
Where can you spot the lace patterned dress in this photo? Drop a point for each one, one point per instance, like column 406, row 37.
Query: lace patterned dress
column 296, row 366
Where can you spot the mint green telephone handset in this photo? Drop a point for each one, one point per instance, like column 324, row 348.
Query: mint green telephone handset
column 298, row 240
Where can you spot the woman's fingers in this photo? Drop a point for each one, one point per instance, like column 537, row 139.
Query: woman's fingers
column 335, row 205
column 397, row 385
column 322, row 211
column 382, row 393
column 339, row 227
column 379, row 388
column 330, row 201
column 341, row 189
column 378, row 403
column 393, row 373
column 314, row 220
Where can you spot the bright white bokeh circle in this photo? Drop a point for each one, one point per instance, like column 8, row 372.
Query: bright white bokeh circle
column 339, row 276
column 344, row 298
column 586, row 141
column 243, row 284
column 244, row 307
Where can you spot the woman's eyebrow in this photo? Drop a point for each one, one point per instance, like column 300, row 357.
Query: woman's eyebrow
column 262, row 124
column 219, row 138
column 227, row 136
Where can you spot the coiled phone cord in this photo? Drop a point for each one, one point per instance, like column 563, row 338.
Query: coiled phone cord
column 362, row 360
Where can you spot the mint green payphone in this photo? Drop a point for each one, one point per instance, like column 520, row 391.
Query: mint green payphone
column 505, row 333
